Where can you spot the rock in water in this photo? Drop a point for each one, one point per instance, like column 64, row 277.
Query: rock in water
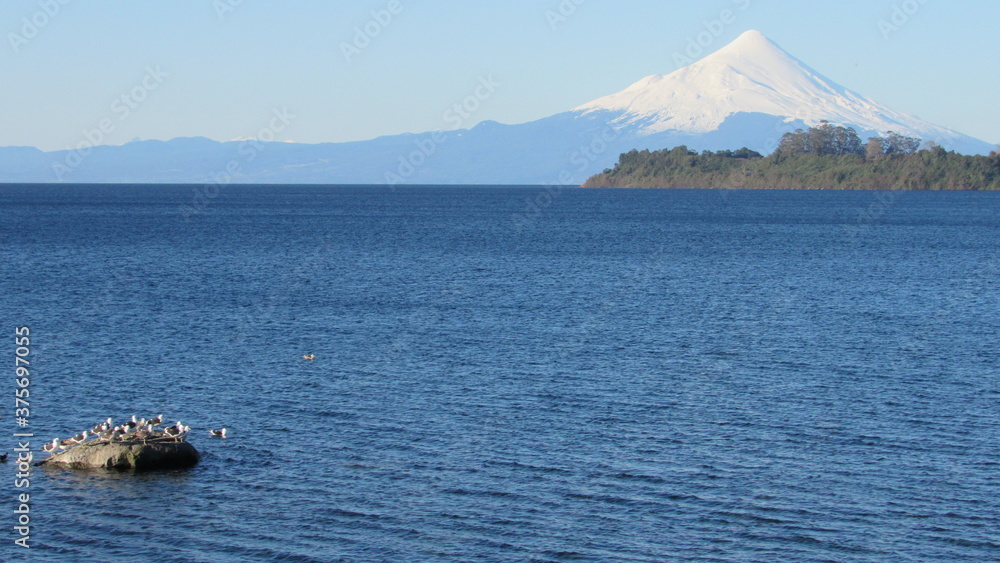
column 133, row 455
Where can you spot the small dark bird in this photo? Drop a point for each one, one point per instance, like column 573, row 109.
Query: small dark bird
column 3, row 458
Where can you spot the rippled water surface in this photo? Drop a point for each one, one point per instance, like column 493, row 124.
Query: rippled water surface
column 502, row 374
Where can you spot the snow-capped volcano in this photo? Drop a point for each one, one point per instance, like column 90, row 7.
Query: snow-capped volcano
column 751, row 75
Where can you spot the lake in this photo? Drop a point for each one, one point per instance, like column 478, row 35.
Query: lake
column 513, row 373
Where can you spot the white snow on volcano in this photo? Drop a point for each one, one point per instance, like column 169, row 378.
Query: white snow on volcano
column 752, row 75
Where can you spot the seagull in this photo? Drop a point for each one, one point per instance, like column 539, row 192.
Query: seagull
column 50, row 447
column 176, row 432
column 309, row 356
column 81, row 437
column 157, row 420
column 183, row 433
column 218, row 433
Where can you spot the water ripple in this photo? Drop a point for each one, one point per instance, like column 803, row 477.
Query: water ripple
column 642, row 376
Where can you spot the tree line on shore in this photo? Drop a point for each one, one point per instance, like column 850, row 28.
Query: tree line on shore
column 823, row 157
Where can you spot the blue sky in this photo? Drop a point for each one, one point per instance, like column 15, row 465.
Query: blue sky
column 221, row 68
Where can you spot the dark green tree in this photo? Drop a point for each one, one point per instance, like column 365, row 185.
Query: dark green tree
column 901, row 144
column 824, row 139
column 793, row 143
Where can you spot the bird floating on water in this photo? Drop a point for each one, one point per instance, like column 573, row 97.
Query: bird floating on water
column 309, row 356
column 218, row 433
column 3, row 458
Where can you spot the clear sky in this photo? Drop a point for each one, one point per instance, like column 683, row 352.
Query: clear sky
column 220, row 68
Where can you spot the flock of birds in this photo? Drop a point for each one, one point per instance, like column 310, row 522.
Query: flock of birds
column 132, row 430
column 135, row 429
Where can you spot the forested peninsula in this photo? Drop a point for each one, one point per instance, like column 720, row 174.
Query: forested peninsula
column 823, row 157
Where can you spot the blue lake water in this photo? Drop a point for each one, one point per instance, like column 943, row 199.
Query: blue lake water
column 510, row 374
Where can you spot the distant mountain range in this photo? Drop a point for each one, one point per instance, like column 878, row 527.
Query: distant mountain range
column 749, row 93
